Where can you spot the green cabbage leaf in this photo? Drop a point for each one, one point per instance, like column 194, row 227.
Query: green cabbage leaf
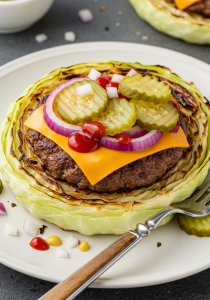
column 165, row 17
column 91, row 212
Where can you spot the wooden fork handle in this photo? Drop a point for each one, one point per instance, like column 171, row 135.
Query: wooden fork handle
column 63, row 290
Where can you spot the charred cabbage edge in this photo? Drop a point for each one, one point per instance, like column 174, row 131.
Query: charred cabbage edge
column 97, row 213
column 165, row 17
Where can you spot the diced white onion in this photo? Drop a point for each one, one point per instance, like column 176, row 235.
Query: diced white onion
column 131, row 72
column 41, row 37
column 94, row 74
column 117, row 78
column 112, row 92
column 85, row 15
column 11, row 229
column 70, row 36
column 84, row 89
column 30, row 228
column 72, row 241
column 62, row 253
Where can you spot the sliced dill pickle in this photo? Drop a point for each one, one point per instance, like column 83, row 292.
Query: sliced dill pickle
column 145, row 88
column 120, row 116
column 1, row 186
column 195, row 226
column 75, row 109
column 155, row 117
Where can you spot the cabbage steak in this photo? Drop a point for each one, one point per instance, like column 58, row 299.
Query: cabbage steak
column 167, row 18
column 102, row 213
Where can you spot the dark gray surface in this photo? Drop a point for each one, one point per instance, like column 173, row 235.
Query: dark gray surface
column 61, row 18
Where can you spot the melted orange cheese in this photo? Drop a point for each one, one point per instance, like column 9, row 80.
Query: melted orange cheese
column 182, row 4
column 102, row 162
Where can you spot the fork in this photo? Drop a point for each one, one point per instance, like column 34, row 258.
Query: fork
column 195, row 206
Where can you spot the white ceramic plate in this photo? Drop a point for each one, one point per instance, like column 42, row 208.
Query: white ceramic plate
column 179, row 256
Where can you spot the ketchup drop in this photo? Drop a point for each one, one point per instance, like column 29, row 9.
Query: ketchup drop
column 113, row 84
column 39, row 244
column 88, row 139
column 83, row 143
column 94, row 129
column 124, row 139
column 116, row 84
column 104, row 80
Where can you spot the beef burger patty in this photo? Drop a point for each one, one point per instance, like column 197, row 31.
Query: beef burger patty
column 201, row 7
column 142, row 172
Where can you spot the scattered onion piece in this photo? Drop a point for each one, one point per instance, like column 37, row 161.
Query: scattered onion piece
column 62, row 253
column 94, row 74
column 56, row 124
column 138, row 144
column 2, row 209
column 117, row 78
column 30, row 228
column 71, row 241
column 11, row 229
column 112, row 92
column 84, row 89
column 131, row 72
column 85, row 15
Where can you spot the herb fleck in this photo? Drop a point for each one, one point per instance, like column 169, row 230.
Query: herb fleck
column 159, row 244
column 103, row 8
column 41, row 229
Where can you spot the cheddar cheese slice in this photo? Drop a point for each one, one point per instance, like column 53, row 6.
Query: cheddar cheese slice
column 182, row 4
column 102, row 162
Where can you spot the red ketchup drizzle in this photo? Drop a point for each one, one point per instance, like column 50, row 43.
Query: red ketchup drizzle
column 124, row 139
column 176, row 128
column 94, row 129
column 88, row 139
column 105, row 81
column 39, row 244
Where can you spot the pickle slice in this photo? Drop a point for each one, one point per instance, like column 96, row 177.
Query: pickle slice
column 1, row 186
column 120, row 116
column 155, row 117
column 145, row 88
column 75, row 109
column 195, row 226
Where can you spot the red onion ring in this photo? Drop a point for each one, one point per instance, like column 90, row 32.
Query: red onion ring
column 131, row 72
column 134, row 132
column 138, row 144
column 52, row 121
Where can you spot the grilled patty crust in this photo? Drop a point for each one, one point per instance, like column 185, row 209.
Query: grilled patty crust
column 201, row 7
column 142, row 172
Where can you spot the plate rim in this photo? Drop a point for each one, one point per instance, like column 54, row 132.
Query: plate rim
column 83, row 47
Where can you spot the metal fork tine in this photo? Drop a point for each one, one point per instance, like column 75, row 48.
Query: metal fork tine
column 199, row 193
column 207, row 179
column 208, row 200
column 197, row 201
